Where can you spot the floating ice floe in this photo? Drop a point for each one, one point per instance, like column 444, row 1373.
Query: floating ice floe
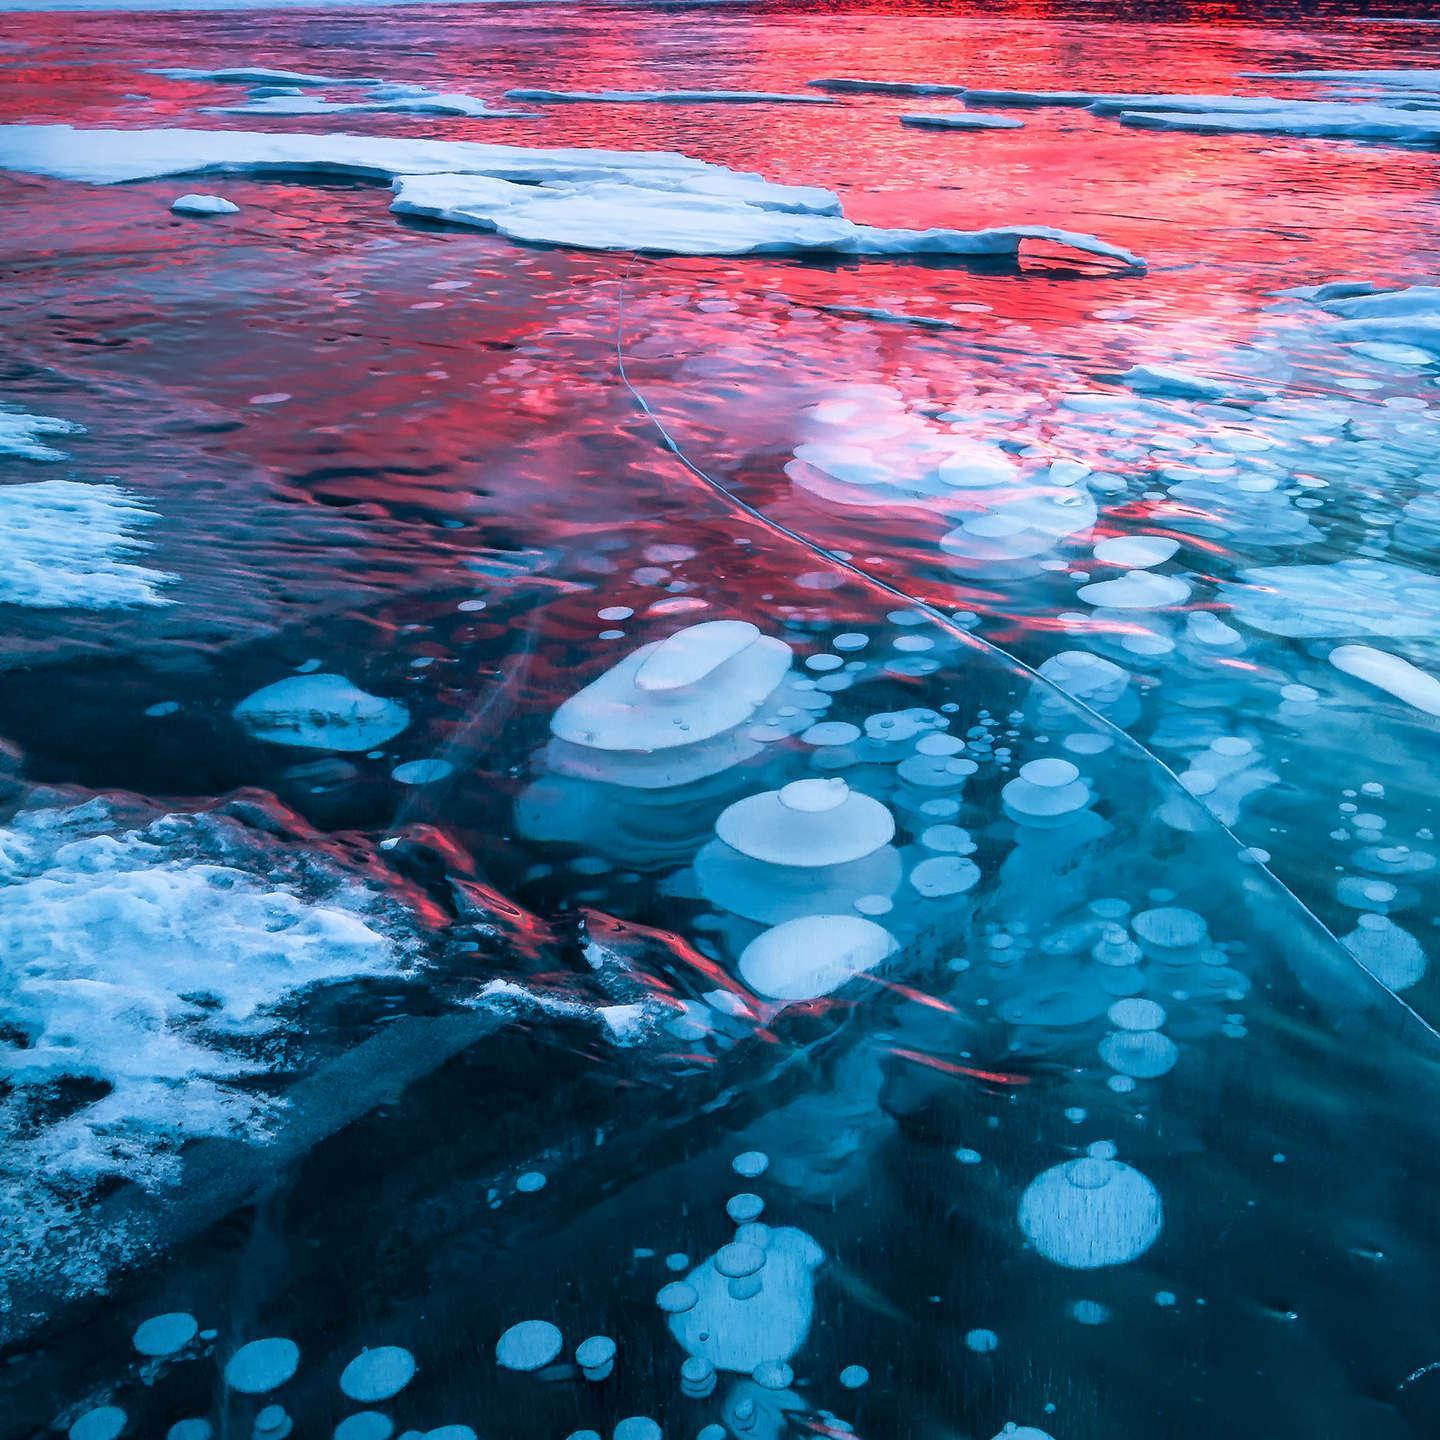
column 1090, row 1213
column 961, row 120
column 1390, row 673
column 589, row 199
column 20, row 435
column 814, row 955
column 68, row 545
column 259, row 75
column 741, row 1331
column 321, row 712
column 886, row 87
column 677, row 97
column 203, row 205
column 385, row 100
column 1408, row 317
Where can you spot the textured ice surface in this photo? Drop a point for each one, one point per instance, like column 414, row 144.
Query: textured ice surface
column 151, row 967
column 589, row 199
column 1350, row 597
column 71, row 545
column 20, row 435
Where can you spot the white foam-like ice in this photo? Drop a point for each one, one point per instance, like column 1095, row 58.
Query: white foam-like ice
column 20, row 435
column 154, row 965
column 69, row 545
column 588, row 199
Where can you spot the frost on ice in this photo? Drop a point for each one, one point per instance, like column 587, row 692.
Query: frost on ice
column 588, row 199
column 149, row 968
column 72, row 545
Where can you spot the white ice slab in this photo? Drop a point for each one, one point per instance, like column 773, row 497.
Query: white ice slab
column 20, row 435
column 962, row 120
column 670, row 97
column 588, row 199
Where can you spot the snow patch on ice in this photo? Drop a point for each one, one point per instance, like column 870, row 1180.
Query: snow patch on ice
column 69, row 545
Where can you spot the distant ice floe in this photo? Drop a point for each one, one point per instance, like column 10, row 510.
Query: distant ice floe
column 20, row 435
column 1389, row 117
column 385, row 100
column 587, row 199
column 149, row 968
column 962, row 120
column 669, row 97
column 259, row 75
column 70, row 545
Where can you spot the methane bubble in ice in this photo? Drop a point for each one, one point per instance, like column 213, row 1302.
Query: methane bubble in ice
column 808, row 822
column 1013, row 1431
column 750, row 1164
column 103, row 1423
column 378, row 1374
column 1091, row 1212
column 637, row 1427
column 596, row 1357
column 814, row 955
column 1136, row 590
column 677, row 1297
column 1045, row 793
column 365, row 1425
column 770, row 1325
column 165, row 1334
column 321, row 712
column 1136, row 552
column 262, row 1365
column 198, row 1429
column 1391, row 954
column 854, row 1377
column 692, row 686
column 944, row 875
column 530, row 1345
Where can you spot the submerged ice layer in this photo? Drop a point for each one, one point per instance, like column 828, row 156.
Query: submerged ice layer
column 587, row 199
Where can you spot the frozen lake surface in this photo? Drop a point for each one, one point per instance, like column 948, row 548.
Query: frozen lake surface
column 719, row 721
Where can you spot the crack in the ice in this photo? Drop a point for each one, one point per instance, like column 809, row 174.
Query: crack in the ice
column 874, row 582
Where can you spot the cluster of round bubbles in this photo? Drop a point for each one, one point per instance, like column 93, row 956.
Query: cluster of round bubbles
column 1091, row 1212
column 752, row 1302
column 865, row 446
column 810, row 848
column 637, row 751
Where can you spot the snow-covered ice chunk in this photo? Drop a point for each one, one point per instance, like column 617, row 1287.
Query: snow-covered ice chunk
column 20, row 435
column 203, row 205
column 588, row 199
column 321, row 712
column 677, row 97
column 806, row 958
column 962, row 120
column 1391, row 673
column 70, row 545
column 741, row 1333
column 1091, row 1212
